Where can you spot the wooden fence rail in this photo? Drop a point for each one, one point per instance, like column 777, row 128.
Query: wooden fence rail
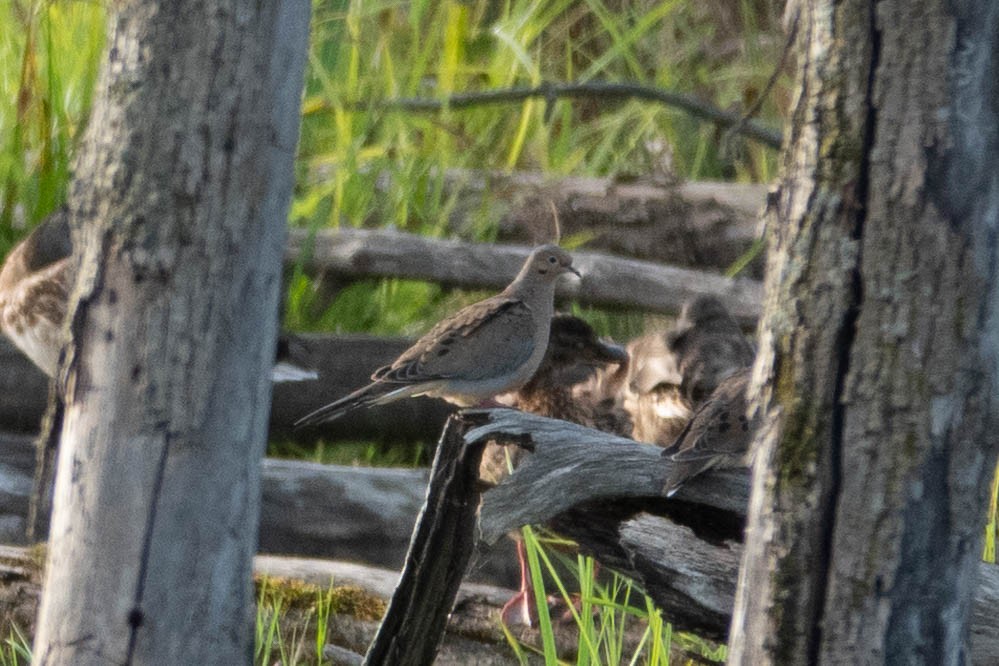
column 607, row 281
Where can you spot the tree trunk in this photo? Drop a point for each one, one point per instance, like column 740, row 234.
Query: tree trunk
column 879, row 342
column 184, row 179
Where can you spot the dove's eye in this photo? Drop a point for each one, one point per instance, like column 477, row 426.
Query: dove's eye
column 552, row 260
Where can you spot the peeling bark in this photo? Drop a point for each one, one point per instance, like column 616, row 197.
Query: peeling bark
column 442, row 544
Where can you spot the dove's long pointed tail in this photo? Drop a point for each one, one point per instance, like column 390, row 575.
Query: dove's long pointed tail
column 363, row 397
column 372, row 394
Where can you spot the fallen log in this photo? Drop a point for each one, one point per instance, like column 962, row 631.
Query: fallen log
column 605, row 493
column 705, row 224
column 692, row 224
column 473, row 633
column 20, row 567
column 344, row 363
column 607, row 281
column 683, row 551
column 379, row 581
column 22, row 572
column 358, row 514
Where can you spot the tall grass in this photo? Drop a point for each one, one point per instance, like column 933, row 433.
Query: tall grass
column 367, row 52
column 49, row 54
column 992, row 525
column 607, row 617
column 15, row 649
column 361, row 162
column 289, row 629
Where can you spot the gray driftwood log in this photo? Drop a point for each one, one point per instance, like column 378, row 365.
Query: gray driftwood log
column 695, row 224
column 607, row 281
column 704, row 225
column 344, row 363
column 358, row 514
column 605, row 493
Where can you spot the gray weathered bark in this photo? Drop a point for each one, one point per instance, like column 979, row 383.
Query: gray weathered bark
column 879, row 344
column 443, row 542
column 183, row 182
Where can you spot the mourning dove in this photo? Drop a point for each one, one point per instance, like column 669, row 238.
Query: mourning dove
column 709, row 346
column 718, row 435
column 573, row 354
column 34, row 292
column 485, row 349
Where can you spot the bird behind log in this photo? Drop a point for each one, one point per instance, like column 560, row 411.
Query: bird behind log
column 487, row 348
column 573, row 355
column 718, row 435
column 709, row 346
column 652, row 393
column 35, row 282
column 34, row 289
column 715, row 360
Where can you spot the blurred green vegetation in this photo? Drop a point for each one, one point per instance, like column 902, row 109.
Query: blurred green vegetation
column 363, row 163
column 49, row 57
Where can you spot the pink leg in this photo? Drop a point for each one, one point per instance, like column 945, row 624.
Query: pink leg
column 518, row 609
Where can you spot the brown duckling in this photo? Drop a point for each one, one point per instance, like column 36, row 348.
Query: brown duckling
column 715, row 360
column 709, row 346
column 573, row 355
column 34, row 289
column 652, row 395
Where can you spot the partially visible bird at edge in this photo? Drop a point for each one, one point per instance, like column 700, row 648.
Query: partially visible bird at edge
column 487, row 348
column 709, row 346
column 35, row 282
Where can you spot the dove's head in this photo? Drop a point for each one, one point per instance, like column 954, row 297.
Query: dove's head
column 548, row 262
